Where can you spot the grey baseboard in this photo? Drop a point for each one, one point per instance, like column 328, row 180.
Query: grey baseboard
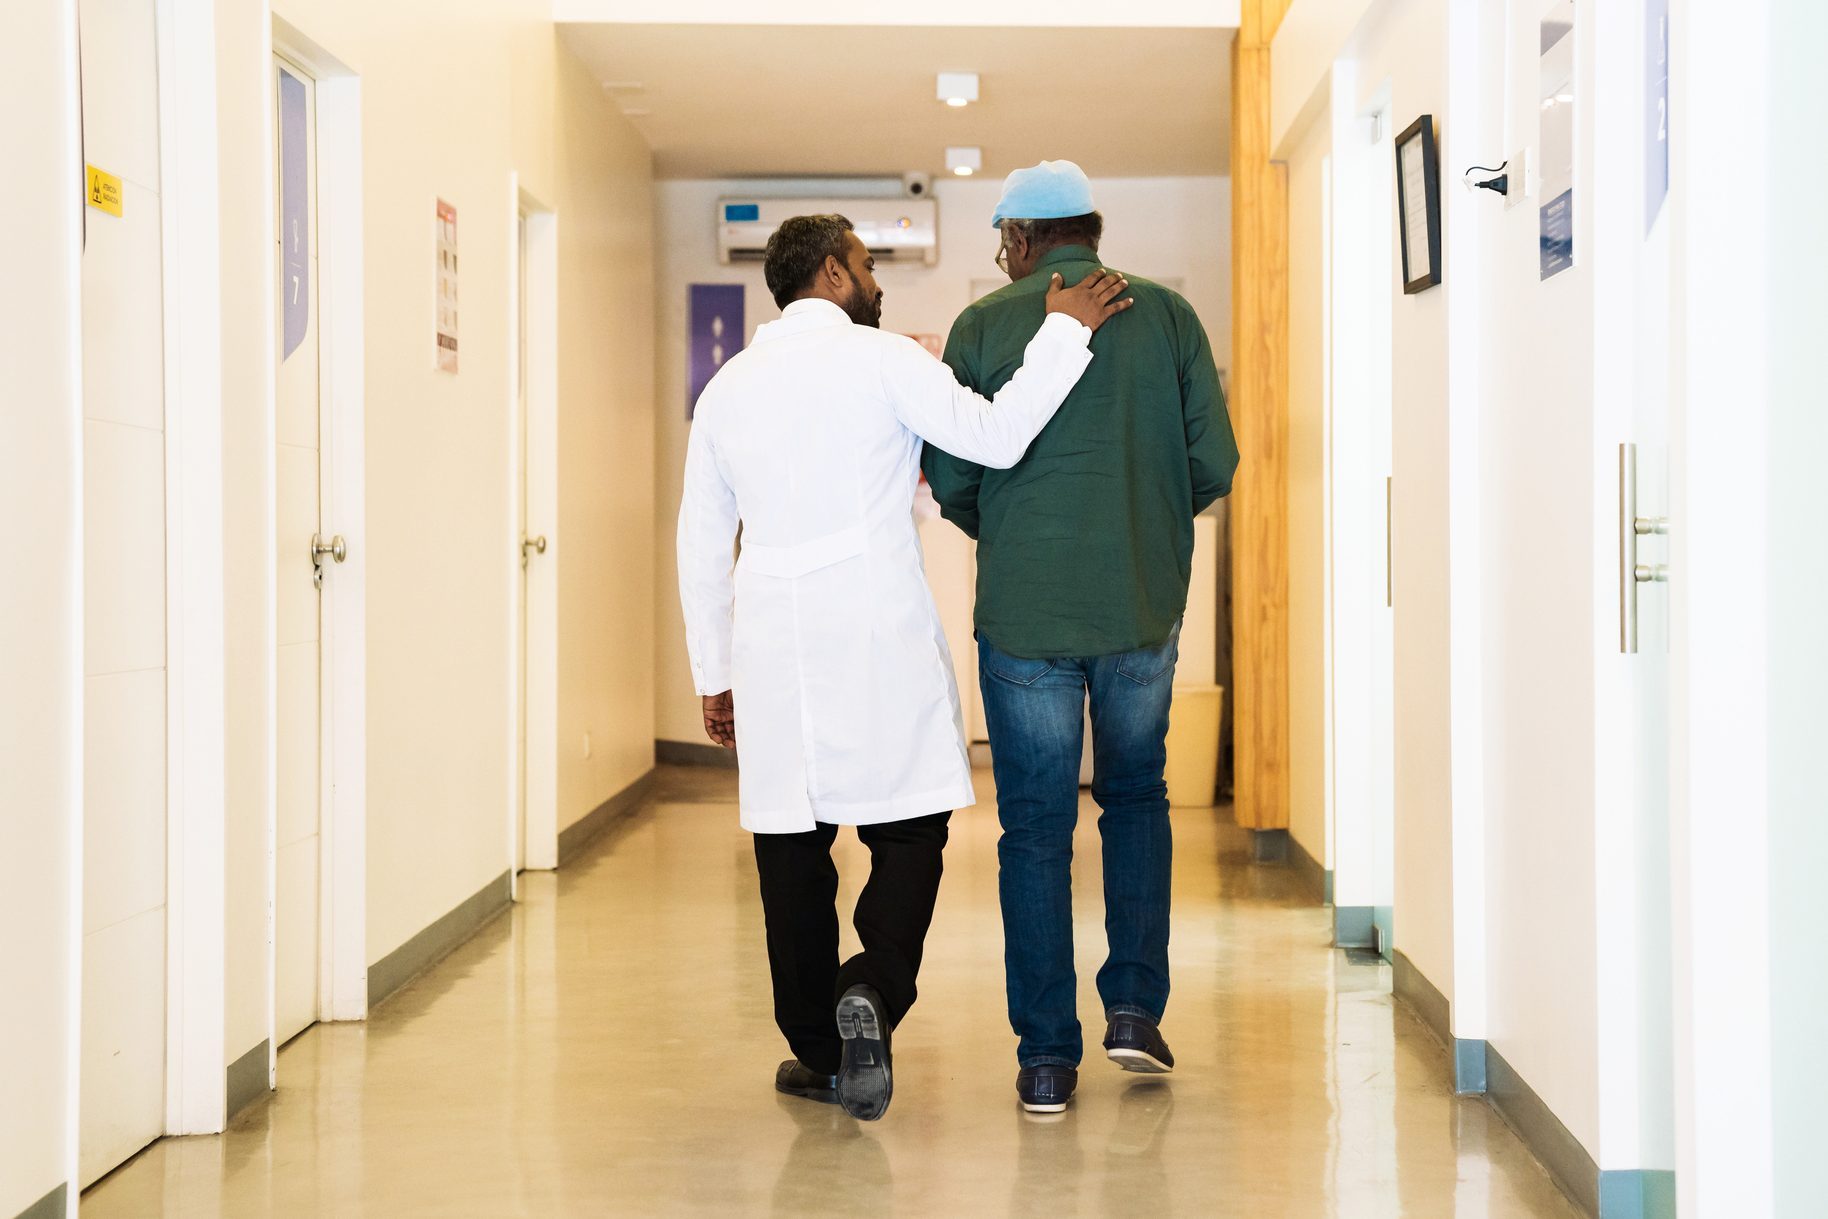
column 248, row 1077
column 1542, row 1132
column 694, row 753
column 1314, row 878
column 578, row 835
column 1637, row 1193
column 53, row 1205
column 1424, row 998
column 430, row 946
column 1352, row 927
column 1269, row 846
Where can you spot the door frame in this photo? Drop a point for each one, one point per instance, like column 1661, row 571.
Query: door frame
column 196, row 713
column 538, row 465
column 343, row 644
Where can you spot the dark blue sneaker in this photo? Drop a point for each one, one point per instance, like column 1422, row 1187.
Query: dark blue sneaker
column 795, row 1078
column 1046, row 1088
column 864, row 1082
column 1135, row 1044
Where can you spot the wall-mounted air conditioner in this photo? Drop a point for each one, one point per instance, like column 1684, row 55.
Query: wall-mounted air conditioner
column 895, row 230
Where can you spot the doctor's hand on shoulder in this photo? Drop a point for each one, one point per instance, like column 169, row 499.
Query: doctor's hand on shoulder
column 1093, row 301
column 720, row 718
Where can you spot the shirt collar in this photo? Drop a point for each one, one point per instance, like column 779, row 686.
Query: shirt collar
column 816, row 306
column 807, row 313
column 1065, row 253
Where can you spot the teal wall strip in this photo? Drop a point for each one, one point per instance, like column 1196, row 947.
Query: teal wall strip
column 1637, row 1193
column 1352, row 927
column 1469, row 1066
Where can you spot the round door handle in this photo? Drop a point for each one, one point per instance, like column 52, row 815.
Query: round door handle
column 533, row 545
column 336, row 549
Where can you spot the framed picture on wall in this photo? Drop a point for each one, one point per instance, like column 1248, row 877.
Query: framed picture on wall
column 1418, row 205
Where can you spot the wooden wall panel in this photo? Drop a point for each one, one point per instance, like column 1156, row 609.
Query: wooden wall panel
column 1259, row 407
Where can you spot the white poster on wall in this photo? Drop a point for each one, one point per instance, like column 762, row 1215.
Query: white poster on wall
column 447, row 287
column 1555, row 79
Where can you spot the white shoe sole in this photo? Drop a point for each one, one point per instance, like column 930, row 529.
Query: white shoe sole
column 1059, row 1108
column 1138, row 1061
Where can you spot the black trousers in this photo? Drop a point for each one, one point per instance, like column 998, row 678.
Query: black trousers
column 799, row 895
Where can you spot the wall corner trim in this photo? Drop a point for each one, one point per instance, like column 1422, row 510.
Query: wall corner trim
column 1353, row 927
column 694, row 753
column 585, row 830
column 53, row 1205
column 433, row 944
column 1637, row 1193
column 248, row 1078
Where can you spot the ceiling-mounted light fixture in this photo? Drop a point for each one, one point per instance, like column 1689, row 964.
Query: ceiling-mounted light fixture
column 957, row 88
column 964, row 161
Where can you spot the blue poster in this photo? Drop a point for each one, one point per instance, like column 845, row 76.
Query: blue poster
column 294, row 214
column 1557, row 234
column 1656, row 109
column 714, row 333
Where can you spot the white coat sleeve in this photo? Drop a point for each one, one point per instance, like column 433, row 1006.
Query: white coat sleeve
column 707, row 563
column 930, row 402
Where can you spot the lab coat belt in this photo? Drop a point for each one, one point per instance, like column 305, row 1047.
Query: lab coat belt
column 791, row 562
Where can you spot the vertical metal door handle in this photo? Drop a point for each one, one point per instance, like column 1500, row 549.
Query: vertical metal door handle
column 1632, row 527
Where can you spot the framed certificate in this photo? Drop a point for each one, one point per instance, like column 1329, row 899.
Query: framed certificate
column 1418, row 205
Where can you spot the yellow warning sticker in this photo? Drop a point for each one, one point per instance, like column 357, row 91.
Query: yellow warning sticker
column 104, row 191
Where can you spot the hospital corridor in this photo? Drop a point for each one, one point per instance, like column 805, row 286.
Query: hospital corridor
column 1197, row 607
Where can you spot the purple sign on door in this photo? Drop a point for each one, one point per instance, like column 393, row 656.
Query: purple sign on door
column 714, row 333
column 294, row 216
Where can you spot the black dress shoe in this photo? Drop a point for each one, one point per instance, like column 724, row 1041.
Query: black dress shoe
column 795, row 1078
column 1046, row 1088
column 864, row 1082
column 1135, row 1044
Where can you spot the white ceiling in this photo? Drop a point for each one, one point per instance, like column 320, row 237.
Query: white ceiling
column 779, row 101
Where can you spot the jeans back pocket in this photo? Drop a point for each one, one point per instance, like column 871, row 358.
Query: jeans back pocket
column 1144, row 665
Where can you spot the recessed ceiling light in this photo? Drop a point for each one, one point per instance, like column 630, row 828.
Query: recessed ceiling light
column 964, row 161
column 957, row 88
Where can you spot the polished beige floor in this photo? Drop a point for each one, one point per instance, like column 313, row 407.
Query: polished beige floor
column 607, row 1050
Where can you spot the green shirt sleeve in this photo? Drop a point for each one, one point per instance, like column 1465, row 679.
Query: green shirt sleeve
column 1212, row 449
column 954, row 480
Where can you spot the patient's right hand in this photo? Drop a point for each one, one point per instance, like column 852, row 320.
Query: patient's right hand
column 1092, row 302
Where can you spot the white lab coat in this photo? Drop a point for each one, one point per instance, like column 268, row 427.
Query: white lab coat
column 846, row 708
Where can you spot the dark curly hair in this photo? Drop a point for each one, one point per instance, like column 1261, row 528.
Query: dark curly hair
column 798, row 249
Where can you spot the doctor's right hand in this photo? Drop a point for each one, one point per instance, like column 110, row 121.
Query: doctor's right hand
column 720, row 718
column 1092, row 303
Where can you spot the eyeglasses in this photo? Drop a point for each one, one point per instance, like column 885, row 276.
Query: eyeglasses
column 1003, row 254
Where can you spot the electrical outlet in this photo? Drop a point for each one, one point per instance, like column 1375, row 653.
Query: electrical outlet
column 1526, row 178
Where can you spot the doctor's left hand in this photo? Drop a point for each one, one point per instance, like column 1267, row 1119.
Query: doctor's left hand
column 720, row 719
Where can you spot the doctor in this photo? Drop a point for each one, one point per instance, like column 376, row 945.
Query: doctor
column 824, row 633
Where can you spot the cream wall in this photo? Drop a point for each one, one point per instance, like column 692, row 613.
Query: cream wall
column 41, row 614
column 1158, row 228
column 1308, row 417
column 452, row 107
column 578, row 156
column 244, row 149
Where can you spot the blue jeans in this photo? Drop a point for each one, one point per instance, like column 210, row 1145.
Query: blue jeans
column 1035, row 710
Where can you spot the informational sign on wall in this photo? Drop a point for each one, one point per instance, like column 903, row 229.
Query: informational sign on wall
column 1656, row 109
column 1555, row 78
column 104, row 191
column 714, row 330
column 294, row 214
column 447, row 287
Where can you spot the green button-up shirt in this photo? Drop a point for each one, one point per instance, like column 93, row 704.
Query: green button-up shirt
column 1086, row 545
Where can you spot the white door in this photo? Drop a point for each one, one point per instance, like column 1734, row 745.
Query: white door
column 299, row 488
column 527, row 545
column 124, row 735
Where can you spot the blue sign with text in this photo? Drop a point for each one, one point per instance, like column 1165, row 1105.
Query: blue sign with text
column 1656, row 109
column 714, row 330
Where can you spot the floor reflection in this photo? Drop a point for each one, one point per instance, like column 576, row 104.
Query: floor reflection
column 607, row 1049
